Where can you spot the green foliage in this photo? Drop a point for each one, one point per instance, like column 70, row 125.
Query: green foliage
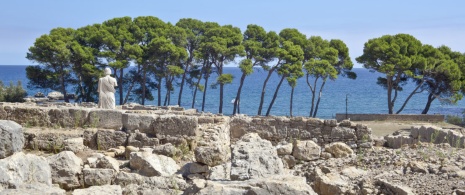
column 456, row 120
column 225, row 79
column 12, row 93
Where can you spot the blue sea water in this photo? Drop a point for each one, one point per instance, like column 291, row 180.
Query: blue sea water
column 363, row 95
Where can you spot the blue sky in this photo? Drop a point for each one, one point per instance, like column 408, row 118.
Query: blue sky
column 432, row 22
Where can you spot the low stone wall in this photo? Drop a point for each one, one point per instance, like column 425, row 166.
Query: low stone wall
column 283, row 129
column 171, row 124
column 427, row 134
column 394, row 117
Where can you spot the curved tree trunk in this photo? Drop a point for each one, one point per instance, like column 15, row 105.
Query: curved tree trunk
column 408, row 98
column 120, row 86
column 274, row 96
column 238, row 95
column 262, row 97
column 319, row 98
column 313, row 90
column 431, row 98
column 195, row 91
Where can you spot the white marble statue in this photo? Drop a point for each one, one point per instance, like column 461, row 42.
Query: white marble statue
column 106, row 91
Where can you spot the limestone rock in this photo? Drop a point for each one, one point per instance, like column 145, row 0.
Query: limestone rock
column 98, row 190
column 107, row 139
column 253, row 157
column 220, row 172
column 141, row 122
column 288, row 161
column 129, row 150
column 33, row 189
column 133, row 183
column 284, row 148
column 98, row 177
column 106, row 118
column 138, row 139
column 21, row 168
column 66, row 167
column 107, row 162
column 174, row 125
column 330, row 183
column 198, row 168
column 391, row 188
column 211, row 155
column 74, row 144
column 306, row 150
column 339, row 149
column 397, row 141
column 11, row 138
column 148, row 164
column 166, row 149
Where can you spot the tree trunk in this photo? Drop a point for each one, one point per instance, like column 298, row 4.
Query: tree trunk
column 319, row 98
column 262, row 97
column 292, row 97
column 220, row 72
column 205, row 92
column 389, row 93
column 195, row 91
column 182, row 84
column 62, row 82
column 159, row 92
column 238, row 95
column 431, row 98
column 120, row 86
column 313, row 90
column 274, row 96
column 410, row 96
column 129, row 92
column 144, row 81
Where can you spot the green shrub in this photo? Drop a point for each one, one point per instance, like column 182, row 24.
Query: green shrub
column 12, row 93
column 456, row 120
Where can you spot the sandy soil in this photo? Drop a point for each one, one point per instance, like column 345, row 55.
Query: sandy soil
column 382, row 128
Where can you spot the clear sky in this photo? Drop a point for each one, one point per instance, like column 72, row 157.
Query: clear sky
column 355, row 22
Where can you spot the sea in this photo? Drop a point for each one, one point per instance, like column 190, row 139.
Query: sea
column 342, row 95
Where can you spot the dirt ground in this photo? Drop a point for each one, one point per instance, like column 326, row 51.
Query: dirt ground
column 382, row 128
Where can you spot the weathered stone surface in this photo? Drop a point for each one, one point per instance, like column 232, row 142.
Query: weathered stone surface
column 138, row 139
column 278, row 184
column 175, row 126
column 391, row 188
column 343, row 133
column 21, row 168
column 339, row 150
column 288, row 161
column 98, row 177
column 211, row 155
column 284, row 148
column 166, row 149
column 220, row 172
column 397, row 141
column 105, row 139
column 198, row 168
column 141, row 122
column 148, row 164
column 107, row 162
column 306, row 150
column 11, row 138
column 281, row 184
column 106, row 119
column 74, row 144
column 98, row 190
column 66, row 167
column 330, row 183
column 133, row 183
column 34, row 189
column 129, row 150
column 253, row 157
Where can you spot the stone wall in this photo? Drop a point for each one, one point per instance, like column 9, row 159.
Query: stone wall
column 176, row 125
column 280, row 129
column 385, row 117
column 427, row 134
